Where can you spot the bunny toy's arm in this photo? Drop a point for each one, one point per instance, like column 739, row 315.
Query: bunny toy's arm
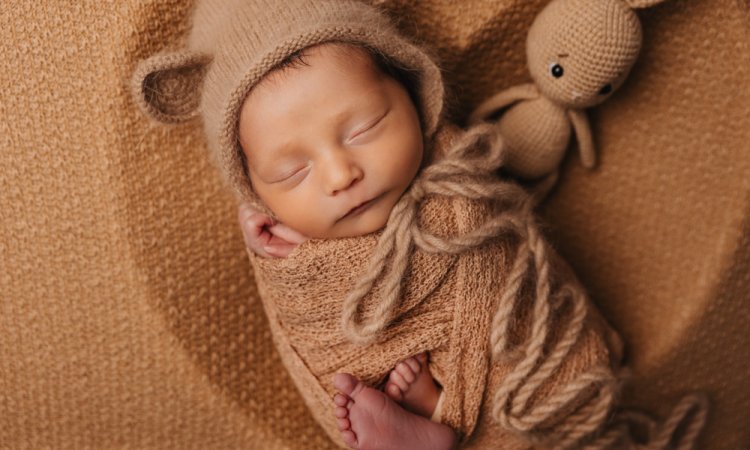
column 502, row 99
column 584, row 137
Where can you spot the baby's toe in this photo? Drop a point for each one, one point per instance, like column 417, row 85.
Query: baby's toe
column 340, row 400
column 343, row 424
column 340, row 412
column 393, row 391
column 349, row 438
column 406, row 372
column 414, row 364
column 397, row 379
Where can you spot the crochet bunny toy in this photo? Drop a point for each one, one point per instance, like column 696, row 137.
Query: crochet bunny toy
column 578, row 53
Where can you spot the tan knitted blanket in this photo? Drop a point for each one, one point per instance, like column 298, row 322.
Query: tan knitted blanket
column 450, row 306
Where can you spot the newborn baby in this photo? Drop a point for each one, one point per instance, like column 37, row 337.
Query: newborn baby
column 395, row 237
column 332, row 141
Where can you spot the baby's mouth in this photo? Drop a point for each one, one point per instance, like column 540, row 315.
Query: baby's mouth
column 359, row 209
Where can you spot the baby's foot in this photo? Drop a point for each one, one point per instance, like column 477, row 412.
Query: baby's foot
column 368, row 419
column 411, row 385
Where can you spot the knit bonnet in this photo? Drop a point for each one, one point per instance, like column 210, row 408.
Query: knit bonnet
column 234, row 43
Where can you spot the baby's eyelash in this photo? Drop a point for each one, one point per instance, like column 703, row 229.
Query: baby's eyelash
column 365, row 128
column 369, row 126
column 290, row 175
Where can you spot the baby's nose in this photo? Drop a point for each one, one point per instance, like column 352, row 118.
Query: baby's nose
column 341, row 174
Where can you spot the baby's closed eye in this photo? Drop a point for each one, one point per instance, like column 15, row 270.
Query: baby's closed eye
column 363, row 132
column 296, row 173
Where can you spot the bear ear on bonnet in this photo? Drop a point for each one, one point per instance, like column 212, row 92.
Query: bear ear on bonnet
column 167, row 86
column 638, row 4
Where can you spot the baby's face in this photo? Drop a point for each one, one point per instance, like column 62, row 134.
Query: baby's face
column 331, row 145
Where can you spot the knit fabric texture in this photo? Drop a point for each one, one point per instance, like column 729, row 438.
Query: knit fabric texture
column 128, row 318
column 594, row 42
column 448, row 309
column 233, row 44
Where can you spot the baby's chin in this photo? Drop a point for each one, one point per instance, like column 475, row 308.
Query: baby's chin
column 369, row 222
column 348, row 230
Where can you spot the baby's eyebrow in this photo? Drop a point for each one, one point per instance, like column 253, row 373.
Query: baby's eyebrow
column 563, row 55
column 269, row 169
column 276, row 150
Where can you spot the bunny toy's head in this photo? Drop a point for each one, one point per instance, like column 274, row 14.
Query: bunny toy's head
column 580, row 51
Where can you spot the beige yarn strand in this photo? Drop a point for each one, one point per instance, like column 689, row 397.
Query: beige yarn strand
column 690, row 413
column 556, row 358
column 390, row 239
column 401, row 231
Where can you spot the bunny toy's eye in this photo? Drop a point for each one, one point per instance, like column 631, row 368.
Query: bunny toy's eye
column 556, row 70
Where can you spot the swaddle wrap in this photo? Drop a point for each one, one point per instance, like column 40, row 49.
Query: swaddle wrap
column 449, row 306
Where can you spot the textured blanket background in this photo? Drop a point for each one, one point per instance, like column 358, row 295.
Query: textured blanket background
column 127, row 314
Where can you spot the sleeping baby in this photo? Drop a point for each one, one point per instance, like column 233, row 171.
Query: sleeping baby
column 332, row 140
column 408, row 290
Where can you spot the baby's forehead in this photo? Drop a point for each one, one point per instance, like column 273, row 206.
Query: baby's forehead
column 346, row 74
column 318, row 88
column 341, row 64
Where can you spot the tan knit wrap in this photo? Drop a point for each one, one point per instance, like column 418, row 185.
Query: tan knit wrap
column 234, row 43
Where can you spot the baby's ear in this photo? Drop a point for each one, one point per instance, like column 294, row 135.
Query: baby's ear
column 637, row 4
column 167, row 86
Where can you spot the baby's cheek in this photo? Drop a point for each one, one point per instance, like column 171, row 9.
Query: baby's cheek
column 307, row 215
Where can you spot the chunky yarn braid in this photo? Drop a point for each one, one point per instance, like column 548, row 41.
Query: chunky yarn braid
column 689, row 416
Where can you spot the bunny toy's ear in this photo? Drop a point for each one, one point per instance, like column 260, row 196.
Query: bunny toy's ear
column 638, row 4
column 167, row 86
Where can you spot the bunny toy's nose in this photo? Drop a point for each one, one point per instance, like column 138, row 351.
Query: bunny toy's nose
column 605, row 90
